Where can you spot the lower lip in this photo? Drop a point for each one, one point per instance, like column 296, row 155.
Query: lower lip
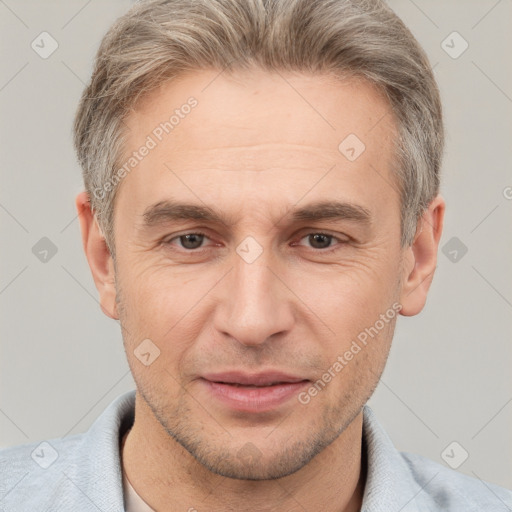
column 252, row 398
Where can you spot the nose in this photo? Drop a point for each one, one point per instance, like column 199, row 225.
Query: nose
column 256, row 302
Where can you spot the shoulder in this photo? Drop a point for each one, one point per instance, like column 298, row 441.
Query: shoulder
column 412, row 483
column 30, row 472
column 453, row 491
column 78, row 472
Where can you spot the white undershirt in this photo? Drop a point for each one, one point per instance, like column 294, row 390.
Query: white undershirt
column 132, row 501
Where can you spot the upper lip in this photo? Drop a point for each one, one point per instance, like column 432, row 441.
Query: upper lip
column 254, row 379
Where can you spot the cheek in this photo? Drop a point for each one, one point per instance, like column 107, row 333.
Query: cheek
column 155, row 340
column 349, row 302
column 348, row 295
column 353, row 369
column 164, row 307
column 157, row 296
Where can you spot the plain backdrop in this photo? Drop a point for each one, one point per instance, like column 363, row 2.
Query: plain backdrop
column 448, row 377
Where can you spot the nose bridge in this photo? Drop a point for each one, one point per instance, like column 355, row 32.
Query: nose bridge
column 255, row 305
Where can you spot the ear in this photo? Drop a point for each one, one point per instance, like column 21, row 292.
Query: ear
column 98, row 256
column 420, row 259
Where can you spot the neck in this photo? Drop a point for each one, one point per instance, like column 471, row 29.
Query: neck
column 168, row 478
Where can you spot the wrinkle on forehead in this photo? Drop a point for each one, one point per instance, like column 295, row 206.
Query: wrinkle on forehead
column 268, row 136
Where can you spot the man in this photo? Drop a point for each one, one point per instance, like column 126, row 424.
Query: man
column 262, row 202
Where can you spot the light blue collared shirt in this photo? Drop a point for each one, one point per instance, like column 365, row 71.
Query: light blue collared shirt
column 82, row 473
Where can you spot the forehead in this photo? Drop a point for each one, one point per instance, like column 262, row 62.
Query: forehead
column 300, row 109
column 254, row 132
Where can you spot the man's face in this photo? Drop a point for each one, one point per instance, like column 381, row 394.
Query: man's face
column 262, row 293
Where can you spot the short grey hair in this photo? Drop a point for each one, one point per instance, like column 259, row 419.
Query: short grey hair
column 157, row 40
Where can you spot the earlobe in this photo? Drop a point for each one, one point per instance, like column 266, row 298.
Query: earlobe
column 98, row 256
column 420, row 260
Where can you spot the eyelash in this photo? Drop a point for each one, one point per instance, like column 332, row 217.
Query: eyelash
column 202, row 249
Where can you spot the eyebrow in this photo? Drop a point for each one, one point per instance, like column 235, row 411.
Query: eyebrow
column 169, row 211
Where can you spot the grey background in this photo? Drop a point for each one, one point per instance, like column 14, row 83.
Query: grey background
column 62, row 361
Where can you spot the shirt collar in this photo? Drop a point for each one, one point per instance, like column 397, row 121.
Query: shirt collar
column 100, row 450
column 390, row 485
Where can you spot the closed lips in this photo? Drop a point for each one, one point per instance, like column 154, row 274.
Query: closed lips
column 237, row 384
column 255, row 380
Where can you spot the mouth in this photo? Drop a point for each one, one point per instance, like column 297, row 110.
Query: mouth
column 237, row 384
column 253, row 392
column 262, row 379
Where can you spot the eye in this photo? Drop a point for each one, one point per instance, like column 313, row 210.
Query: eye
column 322, row 241
column 188, row 241
column 192, row 241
